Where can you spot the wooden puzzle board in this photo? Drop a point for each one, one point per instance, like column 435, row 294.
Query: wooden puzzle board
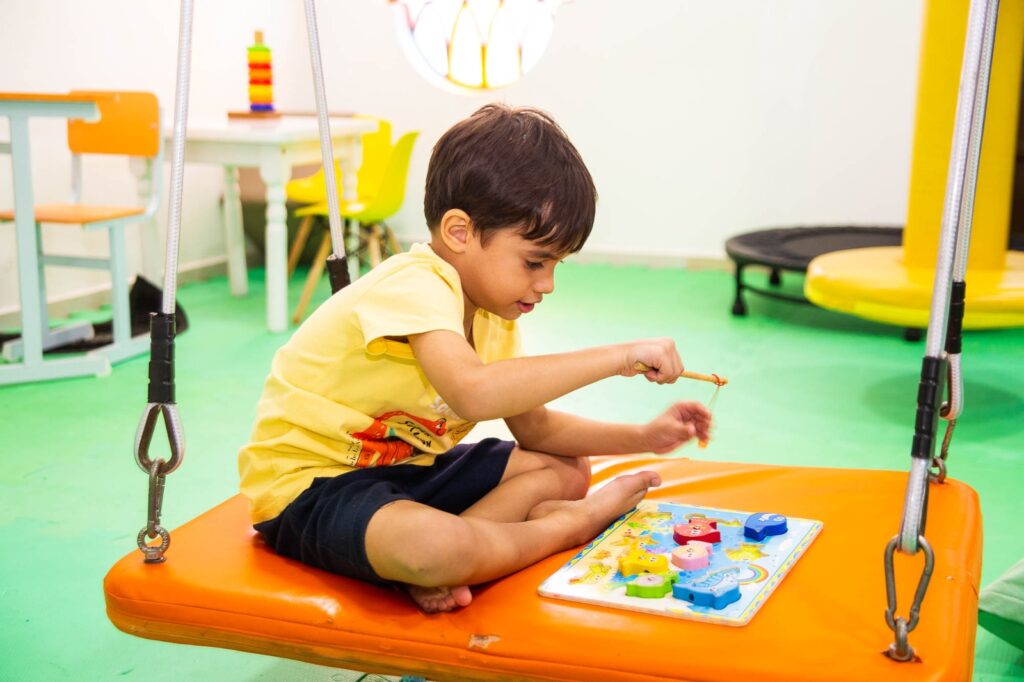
column 592, row 576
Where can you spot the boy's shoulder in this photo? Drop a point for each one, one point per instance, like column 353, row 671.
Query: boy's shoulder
column 419, row 262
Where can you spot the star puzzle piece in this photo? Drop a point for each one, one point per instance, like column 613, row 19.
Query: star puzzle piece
column 651, row 585
column 764, row 524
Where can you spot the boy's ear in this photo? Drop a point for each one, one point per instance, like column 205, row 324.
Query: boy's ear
column 455, row 229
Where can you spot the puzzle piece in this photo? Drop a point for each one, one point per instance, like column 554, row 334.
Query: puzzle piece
column 638, row 561
column 651, row 585
column 763, row 524
column 696, row 529
column 715, row 591
column 691, row 557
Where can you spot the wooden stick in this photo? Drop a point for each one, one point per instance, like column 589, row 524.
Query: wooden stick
column 710, row 378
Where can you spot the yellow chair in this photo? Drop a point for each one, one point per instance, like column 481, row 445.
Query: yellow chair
column 129, row 124
column 313, row 188
column 368, row 214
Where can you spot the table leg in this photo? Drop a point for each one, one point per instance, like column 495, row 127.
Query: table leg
column 274, row 173
column 233, row 233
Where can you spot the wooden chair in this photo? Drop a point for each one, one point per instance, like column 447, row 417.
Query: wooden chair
column 129, row 125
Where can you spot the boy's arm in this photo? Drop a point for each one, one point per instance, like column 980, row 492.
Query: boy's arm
column 560, row 433
column 511, row 387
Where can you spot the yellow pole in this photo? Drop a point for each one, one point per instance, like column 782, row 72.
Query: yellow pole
column 945, row 29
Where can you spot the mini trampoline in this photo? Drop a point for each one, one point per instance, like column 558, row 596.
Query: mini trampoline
column 793, row 248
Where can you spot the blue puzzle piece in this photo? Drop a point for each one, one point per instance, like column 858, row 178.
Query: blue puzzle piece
column 762, row 524
column 716, row 592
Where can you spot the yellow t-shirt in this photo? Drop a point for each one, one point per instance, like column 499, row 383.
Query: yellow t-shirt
column 346, row 391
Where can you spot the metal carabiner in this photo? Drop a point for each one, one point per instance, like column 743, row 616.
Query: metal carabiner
column 901, row 650
column 144, row 436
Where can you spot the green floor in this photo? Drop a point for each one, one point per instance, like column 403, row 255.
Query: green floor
column 72, row 498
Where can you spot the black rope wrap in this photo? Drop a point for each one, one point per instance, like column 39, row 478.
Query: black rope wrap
column 161, row 358
column 337, row 271
column 954, row 332
column 929, row 402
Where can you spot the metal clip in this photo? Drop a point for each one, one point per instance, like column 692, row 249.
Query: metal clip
column 153, row 529
column 900, row 649
column 939, row 462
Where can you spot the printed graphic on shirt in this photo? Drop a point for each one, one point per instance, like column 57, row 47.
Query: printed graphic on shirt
column 381, row 445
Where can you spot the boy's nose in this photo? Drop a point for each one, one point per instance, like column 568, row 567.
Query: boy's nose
column 545, row 285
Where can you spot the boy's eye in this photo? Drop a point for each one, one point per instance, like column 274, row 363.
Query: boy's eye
column 534, row 265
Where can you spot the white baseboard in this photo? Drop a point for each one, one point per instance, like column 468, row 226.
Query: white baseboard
column 605, row 255
column 94, row 297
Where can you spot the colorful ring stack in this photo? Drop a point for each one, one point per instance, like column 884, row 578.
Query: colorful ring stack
column 261, row 89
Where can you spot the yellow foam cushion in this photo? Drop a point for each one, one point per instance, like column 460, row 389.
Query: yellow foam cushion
column 221, row 586
column 876, row 284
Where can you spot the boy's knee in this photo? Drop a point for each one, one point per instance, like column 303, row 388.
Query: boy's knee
column 573, row 475
column 443, row 556
column 576, row 478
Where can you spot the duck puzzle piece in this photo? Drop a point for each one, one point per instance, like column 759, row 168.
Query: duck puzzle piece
column 705, row 531
column 651, row 585
column 763, row 524
column 715, row 591
column 638, row 561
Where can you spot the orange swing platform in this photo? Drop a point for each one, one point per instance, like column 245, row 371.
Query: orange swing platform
column 221, row 586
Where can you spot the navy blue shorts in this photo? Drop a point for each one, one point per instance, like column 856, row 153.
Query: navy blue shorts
column 325, row 526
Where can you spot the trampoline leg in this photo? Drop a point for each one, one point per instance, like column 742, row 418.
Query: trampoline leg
column 912, row 334
column 775, row 278
column 739, row 308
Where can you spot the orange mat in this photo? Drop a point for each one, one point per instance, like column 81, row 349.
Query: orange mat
column 222, row 587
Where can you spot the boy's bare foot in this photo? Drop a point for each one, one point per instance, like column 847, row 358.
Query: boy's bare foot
column 438, row 599
column 592, row 514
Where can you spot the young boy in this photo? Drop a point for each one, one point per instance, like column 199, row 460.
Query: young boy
column 354, row 464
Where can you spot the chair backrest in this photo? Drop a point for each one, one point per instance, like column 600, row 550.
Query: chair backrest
column 389, row 197
column 129, row 124
column 376, row 152
column 312, row 189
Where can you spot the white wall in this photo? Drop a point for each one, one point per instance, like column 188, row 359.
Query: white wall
column 697, row 119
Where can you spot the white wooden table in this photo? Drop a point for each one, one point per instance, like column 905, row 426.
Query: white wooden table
column 273, row 146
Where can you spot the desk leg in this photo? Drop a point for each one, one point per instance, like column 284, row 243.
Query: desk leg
column 275, row 172
column 32, row 318
column 234, row 235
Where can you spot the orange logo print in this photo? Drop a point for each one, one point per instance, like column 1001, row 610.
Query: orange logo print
column 380, row 445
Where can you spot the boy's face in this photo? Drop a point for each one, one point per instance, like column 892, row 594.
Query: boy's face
column 509, row 275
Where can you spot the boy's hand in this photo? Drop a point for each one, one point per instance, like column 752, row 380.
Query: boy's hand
column 658, row 354
column 676, row 425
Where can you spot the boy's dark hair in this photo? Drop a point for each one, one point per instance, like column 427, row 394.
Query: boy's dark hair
column 510, row 167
